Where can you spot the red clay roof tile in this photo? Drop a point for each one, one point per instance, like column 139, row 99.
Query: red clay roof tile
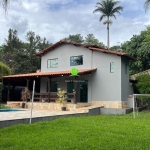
column 90, row 47
column 42, row 74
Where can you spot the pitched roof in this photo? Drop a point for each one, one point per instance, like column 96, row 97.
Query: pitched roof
column 111, row 52
column 43, row 74
column 63, row 42
column 90, row 47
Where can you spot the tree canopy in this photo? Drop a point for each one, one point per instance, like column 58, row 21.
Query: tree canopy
column 139, row 48
column 18, row 55
column 4, row 70
column 74, row 38
column 89, row 39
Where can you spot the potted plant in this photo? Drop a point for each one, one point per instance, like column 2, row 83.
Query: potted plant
column 62, row 98
column 25, row 96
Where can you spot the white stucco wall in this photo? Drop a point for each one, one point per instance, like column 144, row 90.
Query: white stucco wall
column 126, row 87
column 106, row 86
column 63, row 53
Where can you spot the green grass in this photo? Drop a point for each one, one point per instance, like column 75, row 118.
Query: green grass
column 82, row 133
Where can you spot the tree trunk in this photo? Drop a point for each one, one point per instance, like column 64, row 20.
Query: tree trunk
column 108, row 33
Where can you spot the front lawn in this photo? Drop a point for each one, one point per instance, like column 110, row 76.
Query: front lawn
column 82, row 133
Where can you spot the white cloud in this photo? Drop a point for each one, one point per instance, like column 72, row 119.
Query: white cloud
column 56, row 19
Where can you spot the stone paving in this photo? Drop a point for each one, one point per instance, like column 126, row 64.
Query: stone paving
column 35, row 113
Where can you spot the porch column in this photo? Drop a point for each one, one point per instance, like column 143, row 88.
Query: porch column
column 27, row 83
column 49, row 88
column 8, row 93
column 13, row 87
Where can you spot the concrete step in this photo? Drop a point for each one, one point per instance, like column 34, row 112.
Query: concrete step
column 84, row 109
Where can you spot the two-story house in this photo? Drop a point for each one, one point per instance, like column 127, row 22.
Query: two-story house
column 104, row 73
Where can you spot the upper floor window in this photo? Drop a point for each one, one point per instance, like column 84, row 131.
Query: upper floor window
column 112, row 67
column 52, row 63
column 76, row 60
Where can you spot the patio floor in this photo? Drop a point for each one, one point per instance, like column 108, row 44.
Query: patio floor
column 35, row 113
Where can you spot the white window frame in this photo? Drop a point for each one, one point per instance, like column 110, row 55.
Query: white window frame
column 73, row 57
column 112, row 67
column 52, row 63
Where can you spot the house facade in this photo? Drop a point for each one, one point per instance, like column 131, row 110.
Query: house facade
column 104, row 73
column 108, row 85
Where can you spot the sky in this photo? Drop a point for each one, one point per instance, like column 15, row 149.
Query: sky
column 57, row 19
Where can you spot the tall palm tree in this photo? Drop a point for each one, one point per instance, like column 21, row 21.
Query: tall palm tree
column 146, row 4
column 108, row 9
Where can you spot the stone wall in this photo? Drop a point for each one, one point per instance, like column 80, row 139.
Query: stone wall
column 55, row 106
column 14, row 104
column 69, row 106
column 111, row 104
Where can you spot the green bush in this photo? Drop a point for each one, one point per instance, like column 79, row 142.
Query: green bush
column 143, row 87
column 3, row 106
column 4, row 70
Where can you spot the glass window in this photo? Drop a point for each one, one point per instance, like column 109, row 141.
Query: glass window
column 52, row 63
column 112, row 67
column 76, row 60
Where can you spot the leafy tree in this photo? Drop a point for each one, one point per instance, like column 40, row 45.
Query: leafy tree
column 34, row 45
column 75, row 38
column 9, row 49
column 43, row 44
column 143, row 87
column 116, row 48
column 108, row 9
column 90, row 39
column 143, row 83
column 4, row 70
column 18, row 55
column 139, row 48
column 12, row 42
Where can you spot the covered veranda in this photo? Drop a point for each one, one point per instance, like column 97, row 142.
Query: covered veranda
column 26, row 80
